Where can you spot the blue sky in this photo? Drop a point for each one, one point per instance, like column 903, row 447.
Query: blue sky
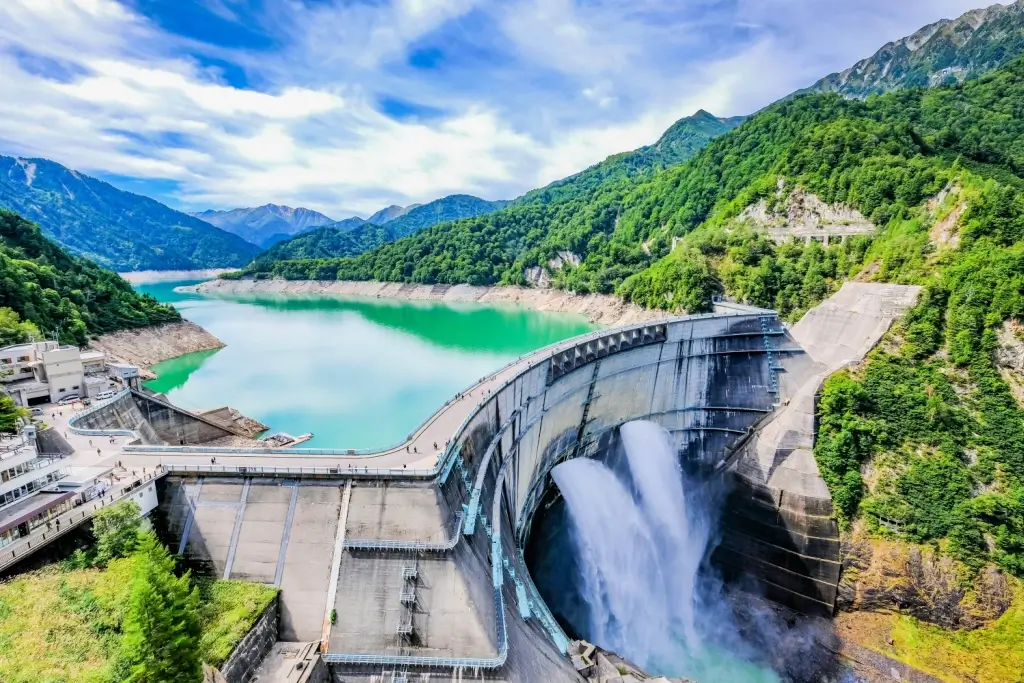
column 346, row 106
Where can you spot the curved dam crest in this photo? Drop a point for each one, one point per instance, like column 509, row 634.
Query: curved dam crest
column 425, row 568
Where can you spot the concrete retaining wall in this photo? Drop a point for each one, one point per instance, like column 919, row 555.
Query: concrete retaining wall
column 176, row 426
column 156, row 422
column 250, row 651
column 121, row 413
column 51, row 441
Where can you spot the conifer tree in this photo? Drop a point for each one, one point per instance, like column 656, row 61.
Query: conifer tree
column 161, row 629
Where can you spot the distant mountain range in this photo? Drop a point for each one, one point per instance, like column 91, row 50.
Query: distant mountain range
column 117, row 229
column 265, row 225
column 354, row 236
column 942, row 53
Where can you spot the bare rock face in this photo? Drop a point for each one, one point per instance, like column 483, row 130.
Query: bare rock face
column 801, row 214
column 540, row 276
column 1009, row 356
column 148, row 346
column 890, row 576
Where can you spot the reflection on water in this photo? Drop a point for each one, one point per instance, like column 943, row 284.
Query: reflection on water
column 358, row 373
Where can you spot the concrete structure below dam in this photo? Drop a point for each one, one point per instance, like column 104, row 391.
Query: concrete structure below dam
column 396, row 565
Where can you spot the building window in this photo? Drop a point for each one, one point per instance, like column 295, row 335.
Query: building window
column 23, row 359
column 75, row 387
column 62, row 389
column 6, row 361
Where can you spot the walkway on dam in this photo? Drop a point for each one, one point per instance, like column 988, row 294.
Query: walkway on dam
column 418, row 452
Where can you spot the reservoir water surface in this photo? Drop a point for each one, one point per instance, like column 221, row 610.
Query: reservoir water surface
column 357, row 373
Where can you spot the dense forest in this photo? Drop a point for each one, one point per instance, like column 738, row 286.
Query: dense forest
column 43, row 288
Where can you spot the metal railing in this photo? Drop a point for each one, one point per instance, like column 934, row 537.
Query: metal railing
column 408, row 546
column 250, row 470
column 74, row 419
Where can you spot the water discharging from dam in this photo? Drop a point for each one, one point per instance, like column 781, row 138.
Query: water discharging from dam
column 639, row 534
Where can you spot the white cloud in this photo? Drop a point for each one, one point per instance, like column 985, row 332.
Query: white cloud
column 559, row 86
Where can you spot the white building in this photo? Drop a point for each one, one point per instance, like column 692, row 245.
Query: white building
column 45, row 372
column 23, row 476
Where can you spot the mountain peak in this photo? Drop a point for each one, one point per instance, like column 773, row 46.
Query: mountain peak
column 265, row 225
column 388, row 214
column 946, row 51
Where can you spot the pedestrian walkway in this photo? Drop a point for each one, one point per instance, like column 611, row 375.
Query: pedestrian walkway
column 420, row 451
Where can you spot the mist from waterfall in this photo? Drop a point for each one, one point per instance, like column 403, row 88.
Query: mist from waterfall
column 642, row 534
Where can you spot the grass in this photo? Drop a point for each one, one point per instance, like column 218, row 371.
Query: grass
column 229, row 610
column 61, row 626
column 994, row 654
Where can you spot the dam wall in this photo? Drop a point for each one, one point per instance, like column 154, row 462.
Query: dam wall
column 425, row 570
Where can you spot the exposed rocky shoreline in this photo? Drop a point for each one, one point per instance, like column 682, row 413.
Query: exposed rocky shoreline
column 600, row 309
column 138, row 277
column 148, row 346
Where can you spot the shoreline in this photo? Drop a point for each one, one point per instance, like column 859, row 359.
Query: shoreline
column 147, row 346
column 143, row 277
column 600, row 309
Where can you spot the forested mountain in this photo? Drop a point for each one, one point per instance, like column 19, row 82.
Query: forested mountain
column 42, row 287
column 117, row 229
column 332, row 241
column 945, row 52
column 558, row 202
column 265, row 225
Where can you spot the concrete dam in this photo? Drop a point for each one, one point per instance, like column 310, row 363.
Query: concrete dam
column 422, row 571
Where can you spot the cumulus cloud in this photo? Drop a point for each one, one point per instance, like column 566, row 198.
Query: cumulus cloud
column 496, row 96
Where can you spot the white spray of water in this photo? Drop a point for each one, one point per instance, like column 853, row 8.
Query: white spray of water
column 682, row 531
column 640, row 550
column 614, row 542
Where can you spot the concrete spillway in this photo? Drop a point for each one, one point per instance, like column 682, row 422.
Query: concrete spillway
column 429, row 566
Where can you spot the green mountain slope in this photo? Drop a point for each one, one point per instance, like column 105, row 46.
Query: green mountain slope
column 945, row 52
column 265, row 225
column 538, row 225
column 117, row 229
column 45, row 286
column 343, row 239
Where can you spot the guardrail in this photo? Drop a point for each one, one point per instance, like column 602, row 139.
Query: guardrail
column 249, row 470
column 73, row 420
column 408, row 546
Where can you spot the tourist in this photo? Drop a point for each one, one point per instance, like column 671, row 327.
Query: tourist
column 435, row 445
column 213, row 461
column 97, row 452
